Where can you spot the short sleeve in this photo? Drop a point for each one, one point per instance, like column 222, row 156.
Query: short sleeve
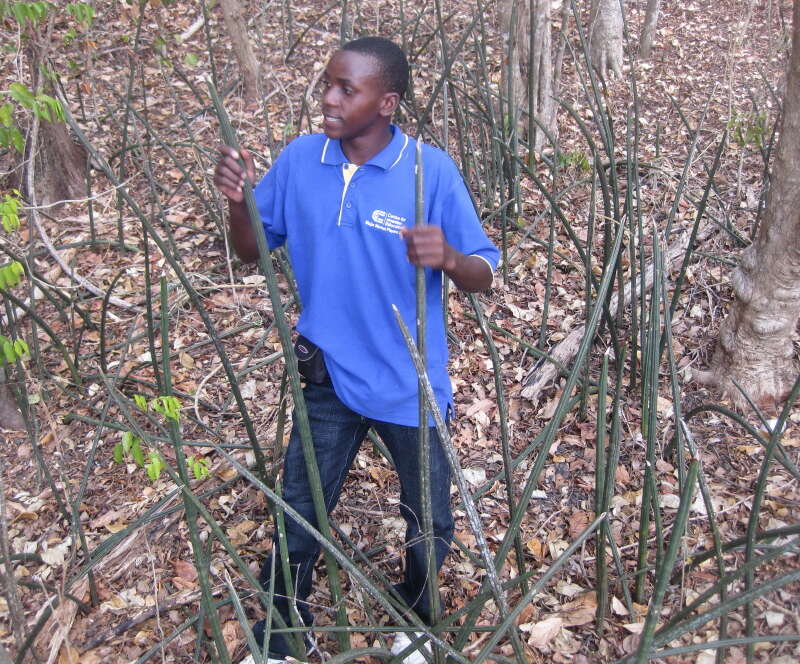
column 270, row 198
column 460, row 223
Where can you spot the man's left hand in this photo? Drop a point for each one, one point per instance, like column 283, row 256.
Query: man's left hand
column 427, row 247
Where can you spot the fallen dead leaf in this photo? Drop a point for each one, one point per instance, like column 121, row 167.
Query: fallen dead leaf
column 536, row 547
column 91, row 657
column 116, row 527
column 68, row 655
column 480, row 406
column 581, row 611
column 774, row 618
column 618, row 607
column 577, row 523
column 379, row 474
column 634, row 628
column 549, row 409
column 55, row 555
column 748, row 449
column 526, row 614
column 475, row 476
column 232, row 634
column 670, row 500
column 185, row 570
column 568, row 589
column 227, row 474
column 542, row 632
column 466, row 537
column 664, row 406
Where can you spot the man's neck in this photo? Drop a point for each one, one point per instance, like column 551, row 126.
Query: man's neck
column 361, row 149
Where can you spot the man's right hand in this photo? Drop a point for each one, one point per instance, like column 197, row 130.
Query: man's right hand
column 229, row 176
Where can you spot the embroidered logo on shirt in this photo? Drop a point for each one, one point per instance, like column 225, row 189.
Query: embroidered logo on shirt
column 385, row 221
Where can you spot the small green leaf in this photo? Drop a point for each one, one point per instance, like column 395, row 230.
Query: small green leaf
column 8, row 352
column 119, row 453
column 6, row 115
column 17, row 140
column 157, row 405
column 27, row 12
column 54, row 109
column 200, row 468
column 21, row 348
column 137, row 453
column 81, row 12
column 9, row 211
column 191, row 60
column 153, row 471
column 12, row 137
column 167, row 406
column 141, row 402
column 174, row 408
column 21, row 94
column 10, row 275
column 154, row 466
column 127, row 441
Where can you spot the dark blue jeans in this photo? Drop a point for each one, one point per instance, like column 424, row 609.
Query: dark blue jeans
column 337, row 433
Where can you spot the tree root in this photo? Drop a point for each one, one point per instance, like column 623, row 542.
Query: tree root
column 704, row 378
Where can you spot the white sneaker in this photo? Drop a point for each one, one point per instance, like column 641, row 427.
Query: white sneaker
column 402, row 641
column 252, row 660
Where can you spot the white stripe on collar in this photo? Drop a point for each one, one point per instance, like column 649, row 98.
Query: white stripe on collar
column 325, row 150
column 400, row 156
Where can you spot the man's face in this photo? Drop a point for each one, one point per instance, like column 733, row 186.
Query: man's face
column 355, row 102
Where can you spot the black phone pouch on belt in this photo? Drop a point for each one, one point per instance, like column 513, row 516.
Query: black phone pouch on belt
column 310, row 361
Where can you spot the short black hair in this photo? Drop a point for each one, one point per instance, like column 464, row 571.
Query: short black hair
column 391, row 60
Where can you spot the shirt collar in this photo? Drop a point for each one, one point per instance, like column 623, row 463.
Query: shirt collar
column 386, row 159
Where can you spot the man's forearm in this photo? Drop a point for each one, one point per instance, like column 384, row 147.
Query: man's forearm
column 469, row 273
column 242, row 236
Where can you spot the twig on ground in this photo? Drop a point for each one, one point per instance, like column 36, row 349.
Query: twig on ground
column 564, row 352
column 167, row 605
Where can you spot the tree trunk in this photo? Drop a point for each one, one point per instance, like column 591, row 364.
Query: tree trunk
column 756, row 340
column 528, row 49
column 236, row 26
column 60, row 165
column 10, row 418
column 649, row 28
column 605, row 37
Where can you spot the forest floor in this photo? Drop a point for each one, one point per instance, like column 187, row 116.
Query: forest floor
column 712, row 58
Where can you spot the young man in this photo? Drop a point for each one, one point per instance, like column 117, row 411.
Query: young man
column 343, row 203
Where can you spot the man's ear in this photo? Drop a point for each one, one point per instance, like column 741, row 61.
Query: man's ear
column 389, row 103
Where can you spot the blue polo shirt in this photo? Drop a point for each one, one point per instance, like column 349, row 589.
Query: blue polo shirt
column 351, row 266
